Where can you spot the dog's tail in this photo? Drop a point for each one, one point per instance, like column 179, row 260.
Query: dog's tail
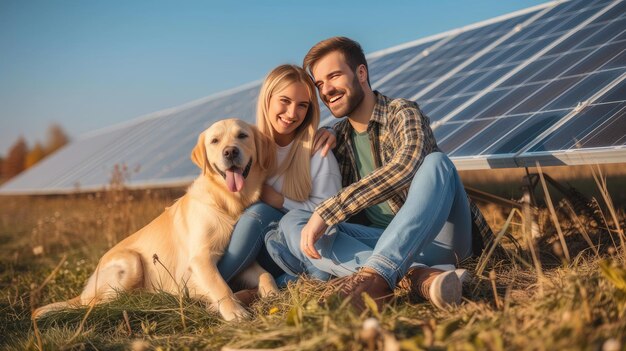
column 56, row 306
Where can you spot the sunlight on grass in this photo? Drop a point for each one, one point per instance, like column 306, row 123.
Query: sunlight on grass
column 583, row 305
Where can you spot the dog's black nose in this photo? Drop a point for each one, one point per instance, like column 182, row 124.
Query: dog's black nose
column 231, row 152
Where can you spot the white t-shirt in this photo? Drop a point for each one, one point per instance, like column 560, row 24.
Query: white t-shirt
column 325, row 177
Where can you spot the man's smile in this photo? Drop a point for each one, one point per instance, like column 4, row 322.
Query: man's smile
column 336, row 98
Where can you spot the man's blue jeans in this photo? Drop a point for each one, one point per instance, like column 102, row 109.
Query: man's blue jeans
column 432, row 227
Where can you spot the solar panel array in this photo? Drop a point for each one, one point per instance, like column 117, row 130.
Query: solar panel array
column 547, row 83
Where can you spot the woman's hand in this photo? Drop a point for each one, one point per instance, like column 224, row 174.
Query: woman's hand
column 324, row 137
column 272, row 197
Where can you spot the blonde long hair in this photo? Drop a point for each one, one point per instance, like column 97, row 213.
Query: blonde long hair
column 297, row 165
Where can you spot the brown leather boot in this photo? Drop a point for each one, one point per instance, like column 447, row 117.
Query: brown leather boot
column 364, row 281
column 247, row 296
column 441, row 288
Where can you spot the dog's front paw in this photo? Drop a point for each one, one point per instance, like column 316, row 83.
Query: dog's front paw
column 231, row 309
column 267, row 285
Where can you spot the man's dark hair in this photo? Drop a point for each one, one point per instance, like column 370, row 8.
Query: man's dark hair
column 350, row 49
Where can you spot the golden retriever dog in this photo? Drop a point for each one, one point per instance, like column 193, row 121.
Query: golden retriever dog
column 190, row 237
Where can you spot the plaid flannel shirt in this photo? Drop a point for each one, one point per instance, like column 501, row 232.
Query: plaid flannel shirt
column 401, row 138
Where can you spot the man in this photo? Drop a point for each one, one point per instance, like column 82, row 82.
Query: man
column 414, row 205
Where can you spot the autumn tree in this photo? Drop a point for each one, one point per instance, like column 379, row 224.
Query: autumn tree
column 55, row 138
column 35, row 155
column 16, row 159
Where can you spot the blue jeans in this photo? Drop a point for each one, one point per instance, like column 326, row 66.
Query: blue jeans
column 432, row 227
column 246, row 243
column 279, row 249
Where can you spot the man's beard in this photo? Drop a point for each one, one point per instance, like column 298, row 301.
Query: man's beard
column 353, row 101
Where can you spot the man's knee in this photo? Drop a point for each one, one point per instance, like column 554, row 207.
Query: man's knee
column 438, row 159
column 291, row 226
column 294, row 220
column 436, row 164
column 436, row 168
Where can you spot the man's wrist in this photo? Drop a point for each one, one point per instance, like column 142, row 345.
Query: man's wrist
column 326, row 224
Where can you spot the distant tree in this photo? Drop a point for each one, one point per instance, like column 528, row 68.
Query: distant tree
column 35, row 155
column 15, row 160
column 1, row 169
column 55, row 138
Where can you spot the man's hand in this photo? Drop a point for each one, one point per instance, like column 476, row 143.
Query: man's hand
column 272, row 197
column 310, row 234
column 324, row 138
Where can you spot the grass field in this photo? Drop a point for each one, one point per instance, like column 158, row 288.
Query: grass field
column 519, row 301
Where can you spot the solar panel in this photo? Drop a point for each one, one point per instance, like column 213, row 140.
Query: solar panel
column 596, row 132
column 514, row 111
column 383, row 64
column 544, row 84
column 547, row 94
column 155, row 148
column 420, row 82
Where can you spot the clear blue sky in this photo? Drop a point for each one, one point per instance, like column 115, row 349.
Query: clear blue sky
column 91, row 64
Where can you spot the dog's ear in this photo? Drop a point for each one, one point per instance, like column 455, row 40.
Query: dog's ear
column 198, row 155
column 265, row 150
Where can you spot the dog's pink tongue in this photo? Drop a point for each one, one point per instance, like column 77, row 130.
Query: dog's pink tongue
column 234, row 180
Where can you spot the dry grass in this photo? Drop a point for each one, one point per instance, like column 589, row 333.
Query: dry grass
column 507, row 182
column 582, row 304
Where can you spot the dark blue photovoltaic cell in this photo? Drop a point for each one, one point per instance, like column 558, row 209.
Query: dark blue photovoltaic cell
column 581, row 91
column 527, row 131
column 609, row 133
column 601, row 125
column 545, row 95
column 383, row 65
column 616, row 11
column 597, row 126
column 464, row 131
column 503, row 99
column 444, row 130
column 502, row 59
column 557, row 83
column 617, row 93
column 475, row 109
column 590, row 33
column 445, row 58
column 520, row 130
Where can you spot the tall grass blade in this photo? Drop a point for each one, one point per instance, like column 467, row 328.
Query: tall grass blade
column 582, row 229
column 602, row 186
column 482, row 264
column 553, row 215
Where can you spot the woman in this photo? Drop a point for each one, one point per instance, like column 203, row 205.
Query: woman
column 288, row 112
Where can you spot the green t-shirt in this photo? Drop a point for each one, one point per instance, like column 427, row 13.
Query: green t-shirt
column 380, row 215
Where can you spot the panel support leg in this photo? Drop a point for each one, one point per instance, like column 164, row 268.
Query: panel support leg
column 529, row 225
